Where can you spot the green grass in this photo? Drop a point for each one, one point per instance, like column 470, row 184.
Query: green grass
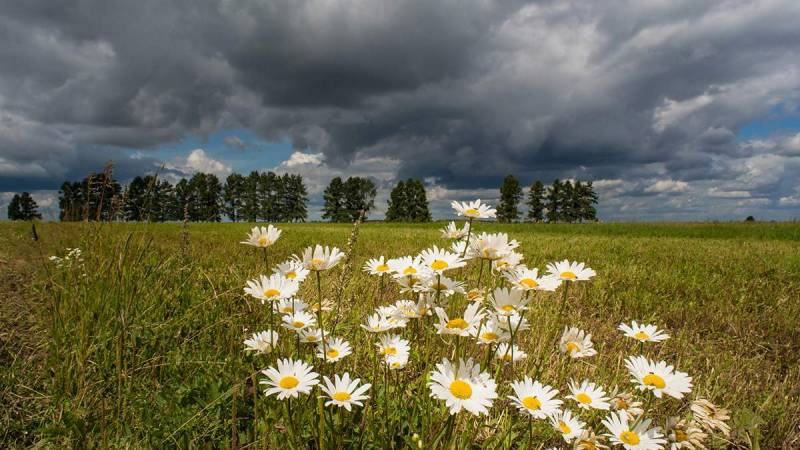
column 145, row 350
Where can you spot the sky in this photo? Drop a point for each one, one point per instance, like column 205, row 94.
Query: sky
column 676, row 109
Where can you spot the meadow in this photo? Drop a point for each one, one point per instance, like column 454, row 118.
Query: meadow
column 140, row 344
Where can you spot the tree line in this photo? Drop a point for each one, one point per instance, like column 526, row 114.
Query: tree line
column 562, row 201
column 23, row 207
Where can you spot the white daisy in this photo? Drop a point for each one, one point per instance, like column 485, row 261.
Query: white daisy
column 291, row 270
column 344, row 392
column 464, row 387
column 271, row 288
column 642, row 332
column 392, row 344
column 566, row 425
column 588, row 395
column 460, row 326
column 310, row 335
column 507, row 302
column 299, row 320
column 262, row 342
column 576, row 343
column 333, row 350
column 436, row 261
column 376, row 266
column 534, row 398
column 491, row 246
column 451, row 231
column 507, row 353
column 395, row 362
column 514, row 322
column 289, row 379
column 376, row 323
column 658, row 377
column 507, row 263
column 407, row 309
column 474, row 209
column 445, row 286
column 640, row 437
column 405, row 266
column 524, row 279
column 318, row 258
column 290, row 305
column 570, row 271
column 262, row 237
column 491, row 332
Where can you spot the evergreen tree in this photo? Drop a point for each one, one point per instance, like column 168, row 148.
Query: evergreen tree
column 71, row 200
column 553, row 200
column 418, row 201
column 133, row 205
column 536, row 202
column 164, row 203
column 232, row 196
column 268, row 187
column 100, row 191
column 183, row 200
column 295, row 198
column 587, row 199
column 250, row 201
column 14, row 210
column 567, row 202
column 28, row 208
column 334, row 197
column 359, row 194
column 510, row 195
column 398, row 206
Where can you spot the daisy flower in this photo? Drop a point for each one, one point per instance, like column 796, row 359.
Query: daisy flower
column 658, row 377
column 376, row 323
column 492, row 246
column 291, row 270
column 437, row 261
column 491, row 333
column 299, row 320
column 460, row 326
column 588, row 395
column 451, row 231
column 376, row 266
column 626, row 403
column 405, row 266
column 524, row 279
column 344, row 392
column 289, row 306
column 271, row 288
column 311, row 335
column 463, row 387
column 320, row 258
column 445, row 286
column 476, row 295
column 407, row 309
column 392, row 344
column 507, row 263
column 576, row 343
column 710, row 416
column 642, row 332
column 682, row 434
column 566, row 425
column 507, row 353
column 333, row 350
column 640, row 437
column 262, row 342
column 507, row 302
column 390, row 313
column 262, row 237
column 534, row 398
column 589, row 441
column 514, row 322
column 289, row 379
column 570, row 271
column 395, row 362
column 474, row 209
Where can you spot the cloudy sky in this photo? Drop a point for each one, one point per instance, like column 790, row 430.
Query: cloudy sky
column 678, row 110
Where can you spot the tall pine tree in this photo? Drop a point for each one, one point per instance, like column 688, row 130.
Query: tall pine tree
column 397, row 207
column 536, row 202
column 553, row 201
column 510, row 195
column 359, row 194
column 334, row 197
column 232, row 196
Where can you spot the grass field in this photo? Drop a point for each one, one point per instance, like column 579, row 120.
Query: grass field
column 141, row 346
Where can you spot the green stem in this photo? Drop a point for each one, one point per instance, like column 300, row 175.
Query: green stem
column 469, row 232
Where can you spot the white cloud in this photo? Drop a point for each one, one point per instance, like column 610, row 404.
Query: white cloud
column 721, row 193
column 667, row 186
column 300, row 158
column 673, row 111
column 198, row 161
column 789, row 201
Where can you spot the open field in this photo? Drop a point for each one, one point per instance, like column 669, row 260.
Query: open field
column 141, row 346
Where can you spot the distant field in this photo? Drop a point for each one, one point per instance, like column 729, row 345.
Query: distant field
column 145, row 350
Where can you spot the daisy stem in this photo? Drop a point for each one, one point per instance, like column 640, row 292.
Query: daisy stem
column 645, row 410
column 319, row 313
column 266, row 260
column 480, row 274
column 469, row 231
column 563, row 302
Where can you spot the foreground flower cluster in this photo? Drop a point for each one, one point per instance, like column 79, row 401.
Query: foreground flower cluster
column 490, row 317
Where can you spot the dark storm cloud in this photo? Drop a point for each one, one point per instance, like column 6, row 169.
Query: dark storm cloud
column 460, row 92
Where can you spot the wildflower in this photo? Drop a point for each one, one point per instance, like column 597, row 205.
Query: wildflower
column 474, row 209
column 290, row 305
column 262, row 342
column 514, row 322
column 566, row 425
column 464, row 387
column 299, row 320
column 344, row 392
column 534, row 398
column 271, row 288
column 289, row 379
column 476, row 295
column 291, row 270
column 451, row 231
column 491, row 246
column 588, row 395
column 570, row 271
column 441, row 284
column 333, row 350
column 310, row 335
column 491, row 333
column 319, row 258
column 524, row 279
column 642, row 332
column 395, row 362
column 392, row 344
column 589, row 441
column 407, row 309
column 376, row 266
column 405, row 266
column 625, row 402
column 507, row 263
column 640, row 437
column 437, row 261
column 460, row 326
column 658, row 377
column 576, row 343
column 682, row 434
column 710, row 416
column 509, row 353
column 507, row 302
column 262, row 237
column 376, row 323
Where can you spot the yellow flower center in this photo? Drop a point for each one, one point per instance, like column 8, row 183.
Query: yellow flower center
column 298, row 324
column 568, row 275
column 333, row 353
column 471, row 212
column 409, row 271
column 382, row 268
column 316, row 262
column 573, row 347
column 642, row 336
column 461, row 389
column 489, row 336
column 341, row 396
column 583, row 398
column 439, row 287
column 531, row 403
column 472, row 295
column 507, row 356
column 457, row 323
column 530, row 283
column 389, row 351
column 269, row 293
column 395, row 364
column 311, row 338
column 288, row 382
column 652, row 379
column 439, row 264
column 629, row 437
column 263, row 241
column 565, row 429
column 508, row 308
column 287, row 310
column 290, row 275
column 680, row 436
